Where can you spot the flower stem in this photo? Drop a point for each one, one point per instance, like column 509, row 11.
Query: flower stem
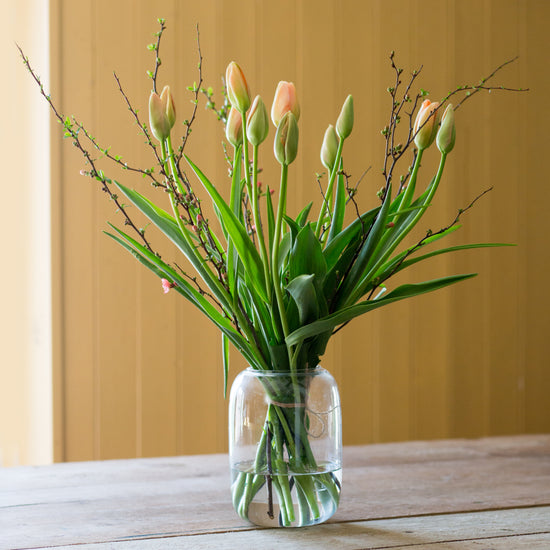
column 328, row 195
column 409, row 191
column 173, row 167
column 207, row 275
column 403, row 232
column 275, row 257
column 245, row 158
column 257, row 217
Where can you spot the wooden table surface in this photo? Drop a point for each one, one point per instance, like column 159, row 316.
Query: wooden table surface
column 491, row 493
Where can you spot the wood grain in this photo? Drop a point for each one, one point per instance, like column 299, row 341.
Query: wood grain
column 389, row 490
column 508, row 529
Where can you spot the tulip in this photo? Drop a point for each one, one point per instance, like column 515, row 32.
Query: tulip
column 329, row 147
column 158, row 120
column 425, row 125
column 168, row 104
column 446, row 136
column 257, row 122
column 286, row 139
column 285, row 100
column 237, row 88
column 234, row 128
column 344, row 124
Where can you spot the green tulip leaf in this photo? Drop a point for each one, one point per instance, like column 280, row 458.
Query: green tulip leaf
column 303, row 293
column 346, row 314
column 237, row 231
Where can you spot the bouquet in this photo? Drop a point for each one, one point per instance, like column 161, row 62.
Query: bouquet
column 276, row 286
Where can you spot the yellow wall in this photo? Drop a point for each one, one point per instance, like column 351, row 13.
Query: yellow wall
column 25, row 309
column 138, row 373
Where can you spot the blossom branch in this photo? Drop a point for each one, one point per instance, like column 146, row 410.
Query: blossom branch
column 148, row 172
column 156, row 48
column 196, row 89
column 429, row 234
column 471, row 90
column 94, row 172
column 142, row 127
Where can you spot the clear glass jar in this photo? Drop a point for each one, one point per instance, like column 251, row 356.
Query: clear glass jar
column 285, row 446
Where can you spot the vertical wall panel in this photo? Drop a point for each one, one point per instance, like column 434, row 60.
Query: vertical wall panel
column 469, row 350
column 504, row 368
column 534, row 186
column 140, row 372
column 76, row 323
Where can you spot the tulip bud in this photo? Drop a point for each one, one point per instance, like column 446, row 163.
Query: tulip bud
column 158, row 121
column 446, row 136
column 425, row 132
column 168, row 104
column 234, row 128
column 286, row 139
column 237, row 88
column 344, row 124
column 329, row 148
column 258, row 122
column 285, row 100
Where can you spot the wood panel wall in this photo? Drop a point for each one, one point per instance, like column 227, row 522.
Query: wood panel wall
column 139, row 373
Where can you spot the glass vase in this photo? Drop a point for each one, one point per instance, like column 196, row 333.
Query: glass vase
column 285, row 446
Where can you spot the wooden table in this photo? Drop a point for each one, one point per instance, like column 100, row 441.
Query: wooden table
column 489, row 493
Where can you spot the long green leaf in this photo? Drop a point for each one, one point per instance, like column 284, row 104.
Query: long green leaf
column 347, row 314
column 225, row 356
column 363, row 260
column 160, row 268
column 337, row 245
column 245, row 248
column 414, row 260
column 235, row 203
column 157, row 266
column 270, row 221
column 170, row 228
column 306, row 256
column 391, row 237
column 339, row 207
column 302, row 290
column 301, row 219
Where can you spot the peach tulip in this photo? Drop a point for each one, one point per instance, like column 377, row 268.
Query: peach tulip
column 234, row 128
column 237, row 88
column 425, row 125
column 285, row 100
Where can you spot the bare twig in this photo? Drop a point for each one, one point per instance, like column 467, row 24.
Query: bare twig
column 195, row 89
column 428, row 235
column 94, row 172
column 148, row 172
column 141, row 126
column 156, row 49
